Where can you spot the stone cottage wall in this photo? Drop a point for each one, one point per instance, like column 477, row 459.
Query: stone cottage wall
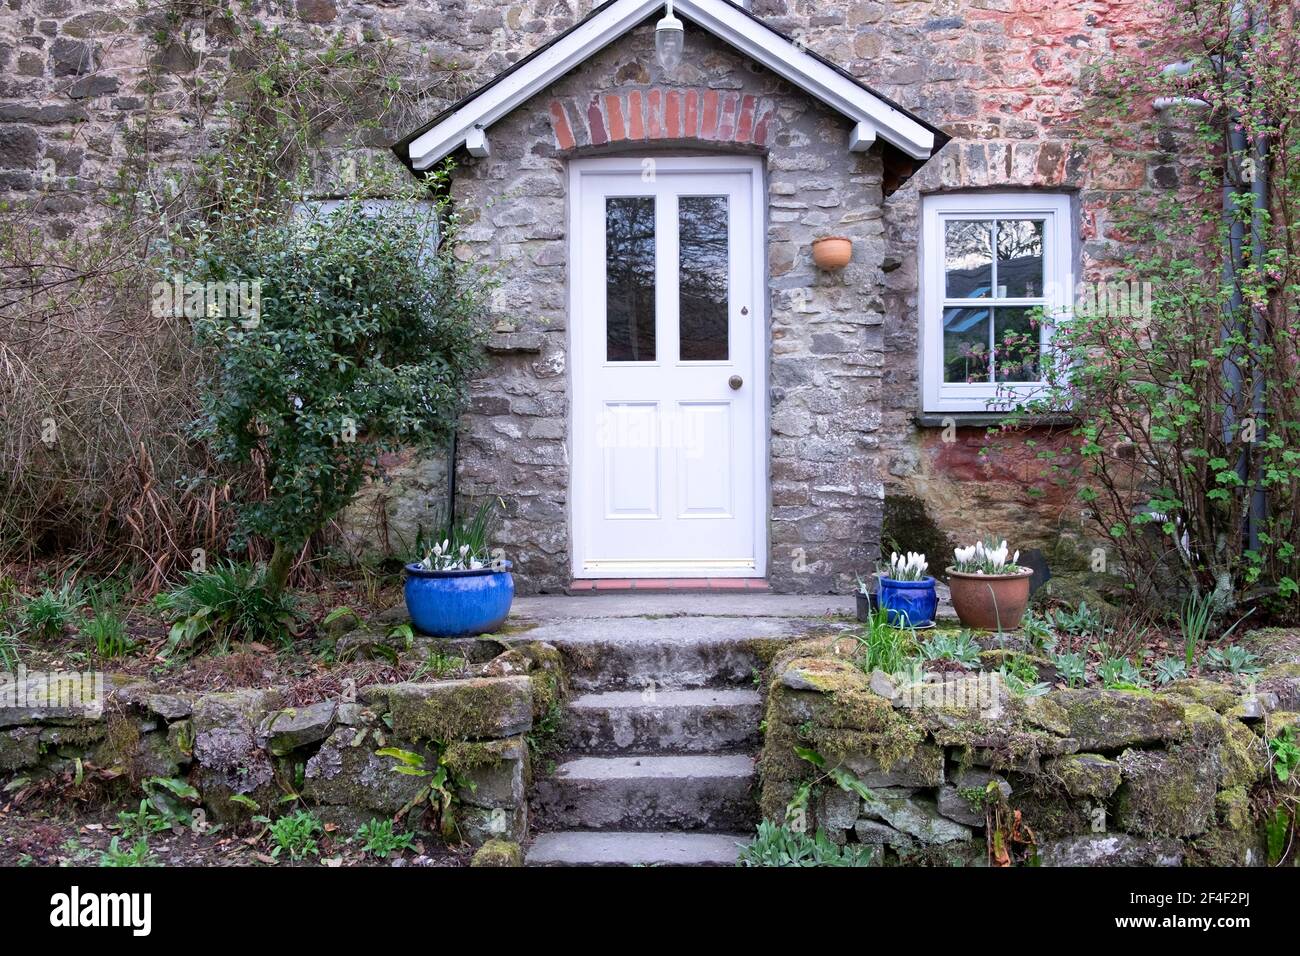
column 825, row 329
column 1005, row 77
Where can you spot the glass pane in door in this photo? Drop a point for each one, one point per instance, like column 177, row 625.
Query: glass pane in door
column 703, row 271
column 630, row 279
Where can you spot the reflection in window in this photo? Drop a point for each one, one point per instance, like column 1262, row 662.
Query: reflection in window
column 1016, row 356
column 630, row 279
column 966, row 345
column 703, row 271
column 1020, row 258
column 968, row 258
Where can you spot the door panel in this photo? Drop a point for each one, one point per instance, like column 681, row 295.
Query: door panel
column 669, row 462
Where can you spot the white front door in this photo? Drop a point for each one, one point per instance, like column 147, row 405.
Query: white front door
column 667, row 336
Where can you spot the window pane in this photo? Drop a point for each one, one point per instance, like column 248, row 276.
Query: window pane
column 966, row 345
column 1020, row 258
column 1016, row 357
column 703, row 270
column 630, row 279
column 968, row 258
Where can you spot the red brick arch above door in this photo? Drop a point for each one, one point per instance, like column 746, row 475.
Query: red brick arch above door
column 661, row 113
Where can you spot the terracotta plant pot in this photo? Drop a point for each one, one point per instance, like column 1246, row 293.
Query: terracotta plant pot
column 832, row 252
column 989, row 602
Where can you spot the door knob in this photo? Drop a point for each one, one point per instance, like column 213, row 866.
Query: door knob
column 735, row 381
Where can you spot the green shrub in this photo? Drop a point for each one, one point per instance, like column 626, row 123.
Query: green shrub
column 378, row 838
column 782, row 846
column 47, row 615
column 229, row 602
column 344, row 361
column 961, row 648
column 885, row 648
column 1285, row 751
column 107, row 632
column 1234, row 659
column 1170, row 669
column 296, row 834
column 138, row 855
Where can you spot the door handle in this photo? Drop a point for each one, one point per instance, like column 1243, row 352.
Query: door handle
column 735, row 382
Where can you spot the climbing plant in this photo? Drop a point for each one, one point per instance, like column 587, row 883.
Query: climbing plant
column 1180, row 361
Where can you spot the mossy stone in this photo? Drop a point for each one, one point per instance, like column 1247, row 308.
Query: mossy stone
column 1114, row 719
column 1090, row 776
column 1197, row 690
column 475, row 708
column 498, row 853
column 1165, row 793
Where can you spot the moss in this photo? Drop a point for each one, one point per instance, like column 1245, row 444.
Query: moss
column 1232, row 807
column 1196, row 690
column 466, row 755
column 480, row 707
column 1273, row 645
column 1243, row 757
column 1047, row 809
column 1090, row 776
column 498, row 853
column 1165, row 793
column 994, row 659
column 1278, row 721
column 1224, row 846
column 1113, row 719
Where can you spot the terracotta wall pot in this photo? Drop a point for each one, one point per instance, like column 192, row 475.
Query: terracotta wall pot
column 989, row 601
column 832, row 252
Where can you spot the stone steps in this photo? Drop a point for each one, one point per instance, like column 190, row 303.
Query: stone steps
column 671, row 792
column 614, row 848
column 674, row 653
column 656, row 772
column 699, row 720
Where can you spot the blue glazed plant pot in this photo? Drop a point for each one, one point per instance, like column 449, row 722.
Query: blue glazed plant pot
column 458, row 603
column 908, row 603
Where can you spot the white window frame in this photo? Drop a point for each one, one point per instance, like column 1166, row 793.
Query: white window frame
column 1058, row 281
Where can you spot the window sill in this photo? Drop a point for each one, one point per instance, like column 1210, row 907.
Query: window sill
column 987, row 419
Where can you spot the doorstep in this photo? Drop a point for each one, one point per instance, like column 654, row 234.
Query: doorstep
column 666, row 585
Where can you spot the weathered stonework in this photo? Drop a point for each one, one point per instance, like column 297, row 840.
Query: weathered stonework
column 1096, row 777
column 825, row 355
column 1007, row 80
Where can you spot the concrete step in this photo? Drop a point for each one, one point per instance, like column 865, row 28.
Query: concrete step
column 615, row 848
column 619, row 653
column 699, row 720
column 694, row 792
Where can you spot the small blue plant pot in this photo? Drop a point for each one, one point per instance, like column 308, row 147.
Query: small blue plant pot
column 908, row 603
column 458, row 603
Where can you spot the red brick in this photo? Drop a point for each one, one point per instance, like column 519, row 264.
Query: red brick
column 763, row 127
column 596, row 123
column 614, row 584
column 635, row 122
column 654, row 110
column 727, row 584
column 709, row 115
column 582, row 585
column 745, row 124
column 614, row 113
column 673, row 115
column 727, row 116
column 560, row 123
column 691, row 122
